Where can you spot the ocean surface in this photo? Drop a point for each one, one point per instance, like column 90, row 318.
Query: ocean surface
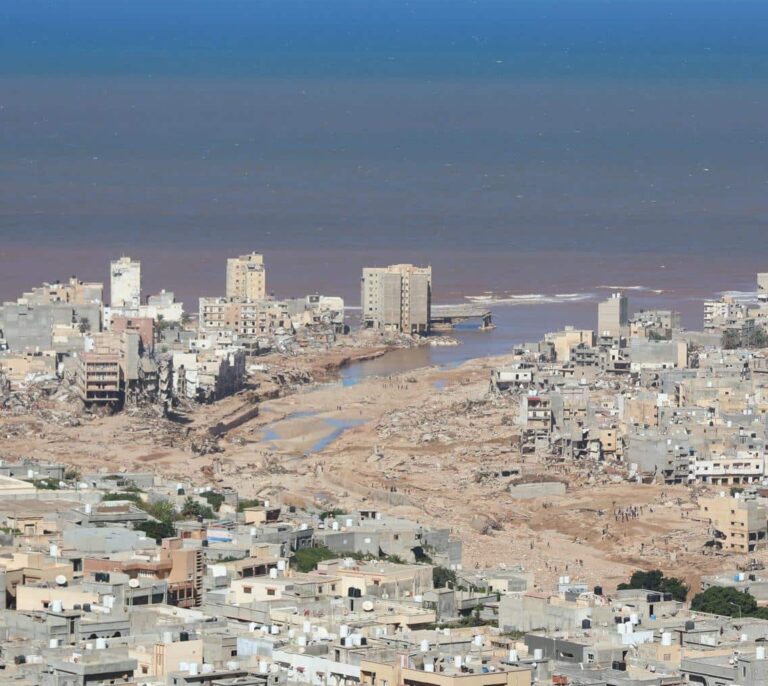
column 535, row 153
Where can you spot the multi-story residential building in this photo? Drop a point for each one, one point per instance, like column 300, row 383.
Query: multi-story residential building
column 111, row 363
column 743, row 467
column 99, row 378
column 74, row 292
column 536, row 421
column 613, row 316
column 718, row 314
column 738, row 523
column 246, row 277
column 163, row 306
column 244, row 317
column 657, row 319
column 183, row 569
column 125, row 283
column 208, row 374
column 569, row 338
column 53, row 317
column 397, row 298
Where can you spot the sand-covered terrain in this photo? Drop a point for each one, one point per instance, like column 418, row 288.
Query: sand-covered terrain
column 432, row 444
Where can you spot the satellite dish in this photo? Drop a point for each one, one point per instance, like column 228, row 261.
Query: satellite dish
column 133, row 583
column 61, row 580
column 367, row 606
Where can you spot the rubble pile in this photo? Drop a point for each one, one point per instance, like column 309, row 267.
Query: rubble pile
column 55, row 402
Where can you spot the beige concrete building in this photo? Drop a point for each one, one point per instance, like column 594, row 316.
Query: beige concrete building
column 246, row 277
column 125, row 283
column 397, row 298
column 564, row 341
column 40, row 598
column 378, row 578
column 20, row 367
column 738, row 524
column 10, row 486
column 161, row 658
column 74, row 292
column 244, row 317
column 183, row 568
column 398, row 671
column 613, row 315
column 99, row 378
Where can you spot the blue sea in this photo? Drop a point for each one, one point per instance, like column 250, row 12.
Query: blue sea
column 534, row 152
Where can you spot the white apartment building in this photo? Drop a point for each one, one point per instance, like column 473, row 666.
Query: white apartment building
column 745, row 467
column 125, row 283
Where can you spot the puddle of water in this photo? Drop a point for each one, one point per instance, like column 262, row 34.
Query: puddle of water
column 269, row 436
column 439, row 385
column 339, row 427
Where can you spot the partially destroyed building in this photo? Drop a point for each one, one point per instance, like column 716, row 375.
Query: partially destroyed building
column 397, row 298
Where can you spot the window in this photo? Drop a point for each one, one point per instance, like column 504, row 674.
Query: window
column 271, row 591
column 247, row 589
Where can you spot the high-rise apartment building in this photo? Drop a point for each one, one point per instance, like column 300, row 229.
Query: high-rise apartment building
column 246, row 277
column 613, row 315
column 397, row 298
column 125, row 283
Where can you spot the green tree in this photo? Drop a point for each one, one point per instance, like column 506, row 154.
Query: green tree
column 46, row 484
column 759, row 339
column 160, row 324
column 156, row 530
column 720, row 600
column 442, row 576
column 656, row 581
column 245, row 503
column 215, row 500
column 335, row 512
column 730, row 340
column 161, row 509
column 192, row 508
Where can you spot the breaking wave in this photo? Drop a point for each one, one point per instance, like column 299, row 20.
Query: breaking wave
column 740, row 296
column 646, row 289
column 528, row 298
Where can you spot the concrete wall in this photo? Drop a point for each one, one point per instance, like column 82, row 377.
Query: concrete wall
column 527, row 613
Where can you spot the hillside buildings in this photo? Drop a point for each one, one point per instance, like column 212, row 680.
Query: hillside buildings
column 397, row 298
column 87, row 598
